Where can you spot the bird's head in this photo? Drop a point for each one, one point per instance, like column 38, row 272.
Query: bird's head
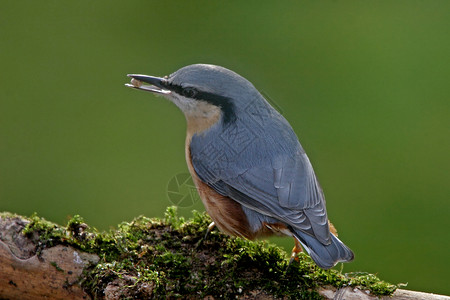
column 200, row 90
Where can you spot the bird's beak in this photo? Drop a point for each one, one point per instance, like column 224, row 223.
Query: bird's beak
column 155, row 84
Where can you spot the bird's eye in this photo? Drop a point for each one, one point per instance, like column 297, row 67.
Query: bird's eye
column 189, row 92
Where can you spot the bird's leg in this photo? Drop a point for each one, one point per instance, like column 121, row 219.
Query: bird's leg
column 296, row 250
column 332, row 228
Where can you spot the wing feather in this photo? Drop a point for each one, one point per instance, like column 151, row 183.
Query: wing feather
column 271, row 176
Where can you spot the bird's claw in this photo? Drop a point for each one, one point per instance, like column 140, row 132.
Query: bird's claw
column 295, row 251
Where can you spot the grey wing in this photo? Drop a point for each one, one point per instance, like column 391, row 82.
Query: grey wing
column 284, row 188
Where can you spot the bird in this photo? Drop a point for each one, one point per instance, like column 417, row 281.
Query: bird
column 249, row 168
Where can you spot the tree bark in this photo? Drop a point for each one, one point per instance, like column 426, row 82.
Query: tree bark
column 349, row 293
column 56, row 272
column 52, row 274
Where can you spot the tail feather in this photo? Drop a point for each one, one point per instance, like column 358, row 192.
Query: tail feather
column 325, row 256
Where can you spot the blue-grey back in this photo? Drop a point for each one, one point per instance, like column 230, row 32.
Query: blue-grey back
column 258, row 161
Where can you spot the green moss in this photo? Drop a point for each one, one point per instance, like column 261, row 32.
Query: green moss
column 56, row 266
column 49, row 234
column 152, row 258
column 6, row 214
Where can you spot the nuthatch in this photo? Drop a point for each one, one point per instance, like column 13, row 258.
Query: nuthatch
column 250, row 170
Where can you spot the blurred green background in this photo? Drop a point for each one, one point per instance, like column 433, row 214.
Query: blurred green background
column 365, row 84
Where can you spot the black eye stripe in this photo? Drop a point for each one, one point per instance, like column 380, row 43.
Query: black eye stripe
column 224, row 103
column 189, row 92
column 173, row 87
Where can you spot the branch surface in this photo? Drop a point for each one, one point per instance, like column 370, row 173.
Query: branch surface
column 152, row 258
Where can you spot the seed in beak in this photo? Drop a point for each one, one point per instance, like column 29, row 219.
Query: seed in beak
column 136, row 83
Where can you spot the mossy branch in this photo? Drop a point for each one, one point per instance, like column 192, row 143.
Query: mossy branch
column 154, row 258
